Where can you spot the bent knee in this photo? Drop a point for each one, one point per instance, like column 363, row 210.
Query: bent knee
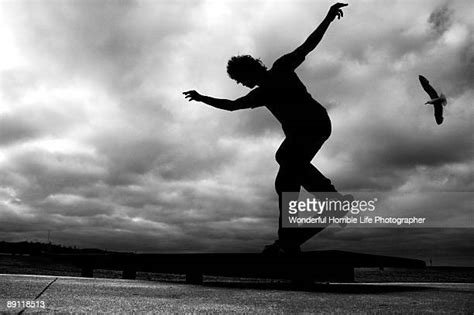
column 284, row 156
column 280, row 157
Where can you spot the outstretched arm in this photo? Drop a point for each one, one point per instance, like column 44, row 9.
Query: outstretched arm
column 220, row 103
column 313, row 40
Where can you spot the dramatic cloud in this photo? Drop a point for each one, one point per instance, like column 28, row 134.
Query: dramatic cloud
column 441, row 18
column 98, row 145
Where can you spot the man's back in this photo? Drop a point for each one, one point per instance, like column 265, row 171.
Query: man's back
column 286, row 97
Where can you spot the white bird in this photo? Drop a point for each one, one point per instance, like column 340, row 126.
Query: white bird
column 437, row 101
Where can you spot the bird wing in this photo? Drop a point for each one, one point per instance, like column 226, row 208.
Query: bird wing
column 438, row 113
column 427, row 87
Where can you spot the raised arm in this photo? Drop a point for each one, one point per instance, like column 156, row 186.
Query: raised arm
column 225, row 104
column 313, row 40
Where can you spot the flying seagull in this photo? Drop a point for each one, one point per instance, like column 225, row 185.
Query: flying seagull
column 437, row 101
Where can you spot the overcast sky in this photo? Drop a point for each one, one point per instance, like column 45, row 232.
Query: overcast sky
column 98, row 145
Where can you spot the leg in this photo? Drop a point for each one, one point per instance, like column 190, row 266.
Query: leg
column 294, row 157
column 314, row 181
column 288, row 180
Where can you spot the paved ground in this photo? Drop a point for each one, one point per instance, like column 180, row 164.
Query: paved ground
column 70, row 294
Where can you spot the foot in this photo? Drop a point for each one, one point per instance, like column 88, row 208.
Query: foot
column 348, row 197
column 338, row 196
column 278, row 249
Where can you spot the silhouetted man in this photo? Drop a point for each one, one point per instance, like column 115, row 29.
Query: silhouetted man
column 305, row 123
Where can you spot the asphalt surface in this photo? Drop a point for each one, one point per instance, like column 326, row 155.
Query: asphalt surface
column 71, row 294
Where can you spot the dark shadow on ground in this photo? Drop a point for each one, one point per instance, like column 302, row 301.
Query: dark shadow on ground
column 319, row 287
column 343, row 288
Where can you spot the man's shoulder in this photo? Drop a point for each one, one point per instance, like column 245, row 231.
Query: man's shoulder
column 288, row 62
column 279, row 64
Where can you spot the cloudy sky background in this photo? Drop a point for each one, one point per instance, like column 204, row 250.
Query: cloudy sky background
column 98, row 145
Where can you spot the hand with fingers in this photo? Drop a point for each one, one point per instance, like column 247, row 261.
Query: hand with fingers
column 336, row 11
column 193, row 96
